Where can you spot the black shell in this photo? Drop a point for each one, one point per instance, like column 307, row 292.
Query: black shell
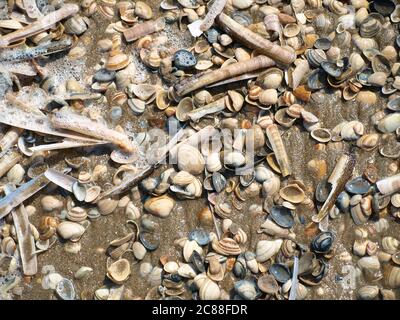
column 280, row 272
column 323, row 242
column 282, row 216
column 184, row 59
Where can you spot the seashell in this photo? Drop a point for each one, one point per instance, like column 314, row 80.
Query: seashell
column 352, row 130
column 76, row 214
column 215, row 271
column 291, row 30
column 138, row 106
column 280, row 272
column 369, row 263
column 47, row 227
column 368, row 141
column 213, row 162
column 234, row 159
column 266, row 249
column 321, row 135
column 282, row 216
column 323, row 242
column 268, row 97
column 271, row 78
column 16, row 174
column 209, row 290
column 315, row 57
column 190, row 159
column 357, row 186
column 360, row 247
column 377, row 79
column 83, row 272
column 162, row 100
column 107, row 206
column 159, row 206
column 390, row 245
column 370, row 27
column 92, row 193
column 139, row 251
column 389, row 123
column 292, row 193
column 70, row 230
column 391, row 276
column 143, row 10
column 368, row 292
column 183, row 108
column 322, row 22
column 75, row 25
column 226, row 246
column 246, row 289
column 364, row 43
column 50, row 203
column 262, row 173
column 119, row 271
column 282, row 118
column 395, row 15
column 268, row 284
column 8, row 246
column 236, row 101
column 188, row 249
column 271, row 186
column 380, row 63
column 366, row 98
column 186, row 271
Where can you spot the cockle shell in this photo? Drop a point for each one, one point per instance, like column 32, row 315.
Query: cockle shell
column 266, row 249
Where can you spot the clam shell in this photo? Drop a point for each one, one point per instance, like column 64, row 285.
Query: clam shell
column 189, row 247
column 391, row 276
column 209, row 290
column 119, row 271
column 190, row 159
column 226, row 246
column 159, row 206
column 76, row 214
column 368, row 292
column 70, row 230
column 107, row 206
column 292, row 193
column 266, row 249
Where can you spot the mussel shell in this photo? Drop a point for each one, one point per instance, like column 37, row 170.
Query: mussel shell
column 65, row 289
column 323, row 44
column 201, row 236
column 280, row 271
column 150, row 240
column 317, row 79
column 239, row 268
column 323, row 242
column 384, row 7
column 218, row 181
column 282, row 216
column 343, row 201
column 357, row 186
column 197, row 261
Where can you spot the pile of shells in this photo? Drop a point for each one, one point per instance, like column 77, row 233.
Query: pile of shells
column 242, row 149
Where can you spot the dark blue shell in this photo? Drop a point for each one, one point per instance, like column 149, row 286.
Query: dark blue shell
column 150, row 240
column 280, row 272
column 212, row 35
column 184, row 59
column 201, row 236
column 282, row 216
column 323, row 242
column 358, row 186
column 104, row 75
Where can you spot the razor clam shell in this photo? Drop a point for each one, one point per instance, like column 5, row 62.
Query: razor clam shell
column 26, row 242
column 213, row 107
column 62, row 180
column 15, row 198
